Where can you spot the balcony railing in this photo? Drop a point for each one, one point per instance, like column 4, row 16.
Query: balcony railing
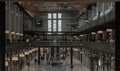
column 97, row 46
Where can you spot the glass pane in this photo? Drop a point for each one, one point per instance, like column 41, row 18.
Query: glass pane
column 49, row 15
column 59, row 25
column 49, row 25
column 54, row 15
column 54, row 25
column 59, row 15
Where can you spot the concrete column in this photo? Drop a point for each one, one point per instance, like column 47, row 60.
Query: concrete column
column 104, row 35
column 91, row 63
column 2, row 36
column 96, row 62
column 110, row 62
column 103, row 62
column 71, row 57
column 89, row 37
column 39, row 56
column 93, row 37
column 10, row 62
column 52, row 51
column 117, row 33
column 55, row 52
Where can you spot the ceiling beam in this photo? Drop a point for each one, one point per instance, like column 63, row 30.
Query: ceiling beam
column 76, row 1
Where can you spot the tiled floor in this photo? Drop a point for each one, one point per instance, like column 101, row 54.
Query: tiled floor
column 66, row 67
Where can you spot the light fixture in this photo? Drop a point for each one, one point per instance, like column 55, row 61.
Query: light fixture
column 35, row 35
column 81, row 52
column 21, row 34
column 75, row 36
column 17, row 33
column 30, row 51
column 86, row 21
column 6, row 63
column 14, row 58
column 93, row 33
column 22, row 55
column 13, row 33
column 75, row 49
column 26, row 53
column 111, row 7
column 99, row 62
column 81, row 35
column 27, row 40
column 109, row 30
column 7, row 58
column 7, row 31
column 100, row 31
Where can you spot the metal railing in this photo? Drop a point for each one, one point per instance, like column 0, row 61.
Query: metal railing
column 97, row 46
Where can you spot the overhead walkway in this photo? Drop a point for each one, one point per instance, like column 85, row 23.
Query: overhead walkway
column 107, row 47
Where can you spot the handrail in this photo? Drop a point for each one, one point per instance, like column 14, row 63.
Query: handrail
column 97, row 46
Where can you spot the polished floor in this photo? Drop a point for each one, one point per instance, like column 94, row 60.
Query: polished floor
column 65, row 67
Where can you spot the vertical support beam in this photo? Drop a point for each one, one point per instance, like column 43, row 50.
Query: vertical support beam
column 10, row 62
column 97, row 59
column 39, row 56
column 71, row 58
column 2, row 36
column 107, row 62
column 103, row 62
column 110, row 62
column 91, row 63
column 117, row 33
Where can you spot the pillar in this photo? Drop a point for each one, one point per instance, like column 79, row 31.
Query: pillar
column 52, row 51
column 91, row 63
column 117, row 33
column 96, row 62
column 103, row 62
column 104, row 35
column 39, row 56
column 2, row 36
column 71, row 57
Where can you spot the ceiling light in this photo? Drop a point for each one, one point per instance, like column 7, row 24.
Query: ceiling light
column 7, row 58
column 86, row 21
column 6, row 63
column 93, row 33
column 109, row 30
column 21, row 34
column 81, row 35
column 22, row 55
column 7, row 31
column 13, row 33
column 75, row 49
column 26, row 53
column 99, row 62
column 27, row 40
column 100, row 32
column 75, row 36
column 35, row 35
column 14, row 58
column 17, row 33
